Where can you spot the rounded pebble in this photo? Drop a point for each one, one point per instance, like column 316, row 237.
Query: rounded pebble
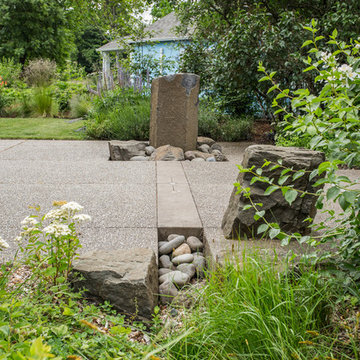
column 173, row 244
column 211, row 159
column 172, row 236
column 200, row 265
column 176, row 277
column 161, row 243
column 167, row 291
column 165, row 262
column 188, row 269
column 194, row 243
column 149, row 150
column 181, row 259
column 181, row 250
column 163, row 271
column 198, row 160
column 189, row 155
column 139, row 158
column 204, row 148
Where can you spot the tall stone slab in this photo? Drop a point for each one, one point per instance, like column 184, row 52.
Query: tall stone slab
column 238, row 222
column 174, row 111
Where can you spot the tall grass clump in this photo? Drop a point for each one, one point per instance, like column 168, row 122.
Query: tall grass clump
column 253, row 311
column 80, row 105
column 122, row 114
column 43, row 103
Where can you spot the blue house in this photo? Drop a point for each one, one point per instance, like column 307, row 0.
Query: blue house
column 161, row 42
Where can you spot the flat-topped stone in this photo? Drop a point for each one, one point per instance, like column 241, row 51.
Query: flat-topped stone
column 126, row 278
column 125, row 150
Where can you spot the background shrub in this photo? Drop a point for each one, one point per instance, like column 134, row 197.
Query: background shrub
column 80, row 105
column 40, row 72
column 10, row 71
column 121, row 114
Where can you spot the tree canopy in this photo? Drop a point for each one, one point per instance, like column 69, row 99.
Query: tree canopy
column 231, row 37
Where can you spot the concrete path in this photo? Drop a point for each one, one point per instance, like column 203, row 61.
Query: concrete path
column 125, row 199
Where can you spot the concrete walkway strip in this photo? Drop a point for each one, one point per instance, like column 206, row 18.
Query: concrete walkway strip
column 176, row 209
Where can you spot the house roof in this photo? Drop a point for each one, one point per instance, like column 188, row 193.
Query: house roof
column 161, row 30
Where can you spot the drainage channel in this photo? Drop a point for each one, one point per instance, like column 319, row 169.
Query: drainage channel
column 180, row 231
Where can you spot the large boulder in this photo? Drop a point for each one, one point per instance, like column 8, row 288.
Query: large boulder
column 126, row 278
column 125, row 150
column 167, row 153
column 238, row 222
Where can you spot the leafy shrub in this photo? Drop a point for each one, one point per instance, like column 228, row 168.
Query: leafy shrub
column 64, row 91
column 10, row 71
column 121, row 114
column 40, row 72
column 40, row 320
column 331, row 119
column 80, row 105
column 223, row 127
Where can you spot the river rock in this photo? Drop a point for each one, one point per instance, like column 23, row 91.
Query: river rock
column 198, row 160
column 181, row 250
column 188, row 269
column 204, row 148
column 194, row 243
column 139, row 158
column 211, row 159
column 176, row 277
column 149, row 150
column 216, row 146
column 219, row 156
column 163, row 271
column 165, row 262
column 189, row 155
column 200, row 265
column 167, row 153
column 181, row 259
column 161, row 243
column 200, row 154
column 168, row 291
column 172, row 236
column 201, row 140
column 171, row 245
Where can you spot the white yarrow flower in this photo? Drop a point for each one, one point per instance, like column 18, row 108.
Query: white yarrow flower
column 3, row 243
column 81, row 218
column 55, row 214
column 18, row 239
column 29, row 221
column 72, row 206
column 57, row 229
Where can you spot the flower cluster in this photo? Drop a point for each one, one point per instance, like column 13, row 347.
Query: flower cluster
column 2, row 82
column 3, row 244
column 57, row 229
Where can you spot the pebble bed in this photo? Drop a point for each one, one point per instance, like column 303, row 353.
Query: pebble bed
column 180, row 261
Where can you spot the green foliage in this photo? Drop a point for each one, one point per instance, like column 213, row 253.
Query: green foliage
column 33, row 29
column 231, row 37
column 64, row 91
column 50, row 241
column 250, row 310
column 121, row 114
column 80, row 106
column 43, row 103
column 10, row 71
column 332, row 120
column 160, row 8
column 223, row 127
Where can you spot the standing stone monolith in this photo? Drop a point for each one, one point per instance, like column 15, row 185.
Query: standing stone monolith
column 238, row 222
column 174, row 111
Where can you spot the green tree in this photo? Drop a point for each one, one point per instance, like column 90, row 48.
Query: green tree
column 32, row 29
column 236, row 35
column 161, row 8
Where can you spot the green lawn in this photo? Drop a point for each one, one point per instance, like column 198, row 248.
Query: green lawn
column 40, row 128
